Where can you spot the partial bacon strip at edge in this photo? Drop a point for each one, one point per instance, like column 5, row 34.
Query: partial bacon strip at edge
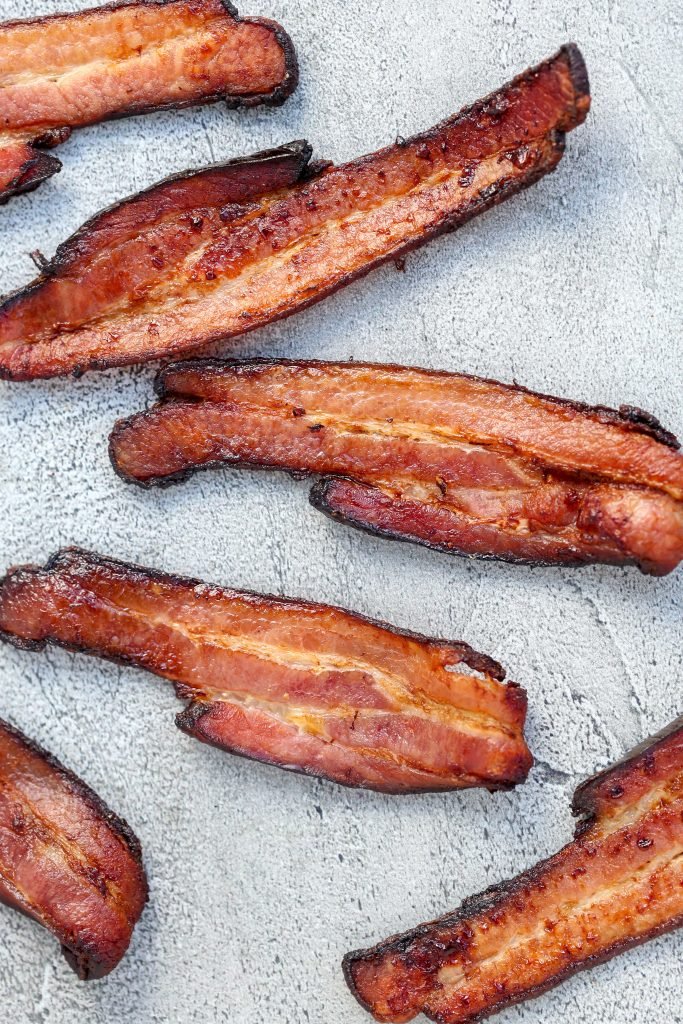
column 618, row 884
column 454, row 462
column 183, row 279
column 307, row 687
column 25, row 164
column 65, row 71
column 66, row 860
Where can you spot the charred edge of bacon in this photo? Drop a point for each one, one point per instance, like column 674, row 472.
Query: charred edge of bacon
column 642, row 760
column 290, row 82
column 39, row 166
column 641, row 756
column 37, row 169
column 84, row 960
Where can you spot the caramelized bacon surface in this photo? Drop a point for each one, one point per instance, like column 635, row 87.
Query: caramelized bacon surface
column 454, row 462
column 619, row 883
column 70, row 70
column 65, row 859
column 176, row 280
column 307, row 687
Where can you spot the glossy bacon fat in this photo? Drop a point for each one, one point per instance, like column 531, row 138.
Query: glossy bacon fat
column 619, row 883
column 307, row 687
column 179, row 267
column 70, row 70
column 454, row 462
column 65, row 859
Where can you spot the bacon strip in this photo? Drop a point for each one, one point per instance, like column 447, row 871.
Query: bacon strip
column 146, row 288
column 454, row 462
column 304, row 686
column 71, row 70
column 619, row 883
column 65, row 859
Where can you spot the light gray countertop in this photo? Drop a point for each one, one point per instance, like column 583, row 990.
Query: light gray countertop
column 261, row 880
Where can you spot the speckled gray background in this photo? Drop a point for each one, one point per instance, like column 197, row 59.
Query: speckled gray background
column 262, row 880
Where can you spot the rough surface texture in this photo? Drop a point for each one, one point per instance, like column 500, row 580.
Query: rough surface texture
column 260, row 880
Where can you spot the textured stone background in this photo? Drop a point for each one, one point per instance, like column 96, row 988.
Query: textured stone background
column 262, row 880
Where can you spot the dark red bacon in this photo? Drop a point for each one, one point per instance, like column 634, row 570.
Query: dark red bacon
column 70, row 70
column 454, row 462
column 151, row 279
column 65, row 859
column 304, row 686
column 619, row 883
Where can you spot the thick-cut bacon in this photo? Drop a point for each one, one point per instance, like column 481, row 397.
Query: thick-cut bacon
column 619, row 883
column 71, row 70
column 174, row 279
column 65, row 859
column 457, row 463
column 304, row 686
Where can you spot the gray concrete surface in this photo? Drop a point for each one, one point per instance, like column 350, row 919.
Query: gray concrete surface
column 262, row 880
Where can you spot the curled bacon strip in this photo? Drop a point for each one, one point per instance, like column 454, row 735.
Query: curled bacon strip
column 71, row 70
column 453, row 462
column 304, row 686
column 65, row 859
column 176, row 268
column 619, row 883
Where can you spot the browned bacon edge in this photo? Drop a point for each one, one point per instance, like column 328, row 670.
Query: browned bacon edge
column 27, row 164
column 617, row 885
column 222, row 264
column 66, row 860
column 307, row 687
column 454, row 462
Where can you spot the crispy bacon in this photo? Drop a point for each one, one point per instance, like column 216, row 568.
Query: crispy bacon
column 65, row 859
column 149, row 279
column 304, row 686
column 71, row 70
column 457, row 463
column 619, row 883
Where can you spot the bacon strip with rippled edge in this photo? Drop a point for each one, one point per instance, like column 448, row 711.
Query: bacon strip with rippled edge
column 457, row 463
column 127, row 290
column 618, row 884
column 69, row 70
column 65, row 859
column 304, row 686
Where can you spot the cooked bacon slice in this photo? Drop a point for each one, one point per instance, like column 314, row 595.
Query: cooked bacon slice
column 150, row 287
column 457, row 463
column 70, row 70
column 619, row 883
column 65, row 859
column 304, row 686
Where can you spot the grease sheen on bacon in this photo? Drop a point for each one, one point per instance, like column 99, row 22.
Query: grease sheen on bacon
column 619, row 883
column 70, row 70
column 304, row 686
column 65, row 859
column 455, row 462
column 153, row 278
